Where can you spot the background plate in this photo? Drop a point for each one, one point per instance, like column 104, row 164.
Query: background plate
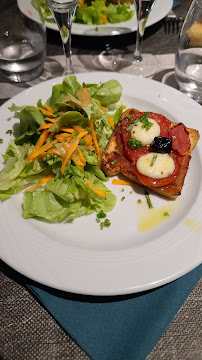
column 159, row 11
column 81, row 258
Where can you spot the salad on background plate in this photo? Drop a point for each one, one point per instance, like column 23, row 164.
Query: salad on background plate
column 56, row 156
column 97, row 12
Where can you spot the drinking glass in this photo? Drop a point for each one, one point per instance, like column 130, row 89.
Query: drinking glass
column 23, row 43
column 136, row 63
column 188, row 57
column 63, row 12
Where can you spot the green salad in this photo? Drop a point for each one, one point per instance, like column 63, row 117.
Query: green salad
column 56, row 159
column 97, row 12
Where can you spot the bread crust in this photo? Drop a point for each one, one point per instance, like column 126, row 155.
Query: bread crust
column 114, row 161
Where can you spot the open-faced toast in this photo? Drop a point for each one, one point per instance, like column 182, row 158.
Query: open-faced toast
column 122, row 154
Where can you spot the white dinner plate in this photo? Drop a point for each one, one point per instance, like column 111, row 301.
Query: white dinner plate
column 159, row 11
column 80, row 257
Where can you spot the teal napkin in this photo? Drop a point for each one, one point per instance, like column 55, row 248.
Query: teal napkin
column 175, row 4
column 119, row 327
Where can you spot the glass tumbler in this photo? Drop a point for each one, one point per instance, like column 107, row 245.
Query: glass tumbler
column 23, row 43
column 188, row 57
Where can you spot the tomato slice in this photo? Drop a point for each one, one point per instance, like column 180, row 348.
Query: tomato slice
column 147, row 181
column 134, row 154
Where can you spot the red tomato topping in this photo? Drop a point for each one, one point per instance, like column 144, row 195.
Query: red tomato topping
column 180, row 139
column 131, row 153
column 147, row 181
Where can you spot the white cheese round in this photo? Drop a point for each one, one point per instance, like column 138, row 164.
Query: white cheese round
column 146, row 137
column 163, row 165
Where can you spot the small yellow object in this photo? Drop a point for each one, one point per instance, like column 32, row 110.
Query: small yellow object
column 195, row 34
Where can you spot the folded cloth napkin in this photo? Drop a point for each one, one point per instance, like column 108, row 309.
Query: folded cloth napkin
column 120, row 327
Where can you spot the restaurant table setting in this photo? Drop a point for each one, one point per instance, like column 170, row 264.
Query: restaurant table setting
column 98, row 306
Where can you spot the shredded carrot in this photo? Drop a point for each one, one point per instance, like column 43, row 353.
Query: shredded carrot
column 45, row 126
column 88, row 139
column 64, row 128
column 95, row 189
column 30, row 13
column 78, row 128
column 81, row 2
column 40, row 151
column 97, row 149
column 111, row 122
column 104, row 19
column 102, row 108
column 78, row 158
column 49, row 119
column 45, row 112
column 64, row 135
column 69, row 147
column 48, row 108
column 41, row 140
column 121, row 182
column 59, row 139
column 57, row 152
column 84, row 96
column 82, row 134
column 39, row 183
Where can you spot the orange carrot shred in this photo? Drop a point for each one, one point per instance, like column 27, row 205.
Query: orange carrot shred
column 45, row 126
column 95, row 189
column 39, row 183
column 40, row 151
column 121, row 182
column 111, row 122
column 70, row 147
column 48, row 108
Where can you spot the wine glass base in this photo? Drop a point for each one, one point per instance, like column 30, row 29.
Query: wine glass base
column 145, row 68
column 125, row 63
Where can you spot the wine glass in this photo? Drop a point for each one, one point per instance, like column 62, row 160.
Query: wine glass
column 63, row 12
column 136, row 63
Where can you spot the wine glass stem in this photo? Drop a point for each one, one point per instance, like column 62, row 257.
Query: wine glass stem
column 65, row 32
column 138, row 48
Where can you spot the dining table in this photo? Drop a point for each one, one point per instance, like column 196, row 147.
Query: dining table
column 38, row 322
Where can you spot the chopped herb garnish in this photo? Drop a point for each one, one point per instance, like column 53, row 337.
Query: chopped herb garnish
column 75, row 134
column 165, row 213
column 9, row 132
column 133, row 143
column 105, row 223
column 131, row 192
column 122, row 190
column 89, row 129
column 139, row 201
column 1, row 141
column 123, row 198
column 82, row 142
column 129, row 127
column 146, row 124
column 153, row 160
column 98, row 220
column 148, row 200
column 101, row 215
column 113, row 162
column 96, row 29
column 117, row 151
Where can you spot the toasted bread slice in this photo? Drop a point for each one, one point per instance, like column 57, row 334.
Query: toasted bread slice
column 114, row 161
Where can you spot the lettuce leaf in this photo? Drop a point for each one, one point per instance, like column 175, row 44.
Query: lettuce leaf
column 65, row 199
column 17, row 173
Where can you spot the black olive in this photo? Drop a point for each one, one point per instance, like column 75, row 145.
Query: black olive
column 162, row 144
